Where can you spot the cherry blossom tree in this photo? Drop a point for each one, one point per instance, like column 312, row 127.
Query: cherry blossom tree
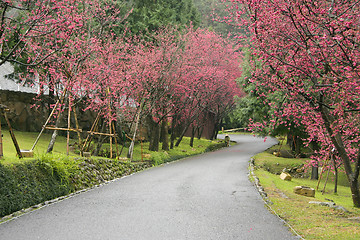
column 82, row 32
column 23, row 21
column 211, row 68
column 179, row 76
column 155, row 78
column 310, row 51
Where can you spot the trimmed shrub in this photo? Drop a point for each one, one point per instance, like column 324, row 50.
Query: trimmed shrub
column 217, row 146
column 27, row 184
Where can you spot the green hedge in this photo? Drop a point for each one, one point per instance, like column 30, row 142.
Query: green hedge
column 217, row 146
column 159, row 158
column 27, row 184
column 33, row 182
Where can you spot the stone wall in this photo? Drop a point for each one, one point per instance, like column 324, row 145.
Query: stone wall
column 24, row 115
column 29, row 114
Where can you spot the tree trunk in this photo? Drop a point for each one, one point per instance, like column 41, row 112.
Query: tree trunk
column 165, row 135
column 200, row 131
column 336, row 174
column 294, row 142
column 132, row 144
column 215, row 132
column 192, row 137
column 297, row 146
column 54, row 135
column 154, row 135
column 315, row 169
column 173, row 133
column 216, row 129
column 182, row 135
column 354, row 186
column 291, row 141
column 314, row 173
column 339, row 146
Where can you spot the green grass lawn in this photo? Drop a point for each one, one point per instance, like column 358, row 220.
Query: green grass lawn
column 26, row 140
column 309, row 220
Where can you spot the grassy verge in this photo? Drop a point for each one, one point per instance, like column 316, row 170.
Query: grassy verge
column 311, row 221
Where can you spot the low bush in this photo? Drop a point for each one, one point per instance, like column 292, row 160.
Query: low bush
column 33, row 182
column 217, row 146
column 30, row 183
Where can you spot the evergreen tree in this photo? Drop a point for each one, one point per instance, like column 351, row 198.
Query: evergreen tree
column 150, row 15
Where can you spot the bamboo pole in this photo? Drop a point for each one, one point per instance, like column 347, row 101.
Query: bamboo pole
column 1, row 143
column 13, row 136
column 327, row 178
column 117, row 149
column 111, row 136
column 78, row 133
column 103, row 134
column 110, row 122
column 88, row 138
column 68, row 132
column 63, row 129
column 322, row 171
column 141, row 141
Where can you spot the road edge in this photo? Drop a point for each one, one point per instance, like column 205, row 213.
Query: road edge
column 256, row 181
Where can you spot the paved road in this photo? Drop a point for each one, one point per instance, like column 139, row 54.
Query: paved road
column 203, row 197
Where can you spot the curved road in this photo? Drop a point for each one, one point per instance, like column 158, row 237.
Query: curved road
column 203, row 197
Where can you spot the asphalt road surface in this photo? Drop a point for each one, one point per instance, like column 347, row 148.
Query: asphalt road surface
column 203, row 197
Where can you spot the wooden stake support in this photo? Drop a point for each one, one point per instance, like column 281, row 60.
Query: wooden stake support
column 322, row 171
column 88, row 138
column 68, row 129
column 83, row 146
column 63, row 129
column 327, row 177
column 20, row 153
column 78, row 133
column 1, row 143
column 117, row 149
column 68, row 132
column 48, row 119
column 110, row 123
column 93, row 131
column 103, row 134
